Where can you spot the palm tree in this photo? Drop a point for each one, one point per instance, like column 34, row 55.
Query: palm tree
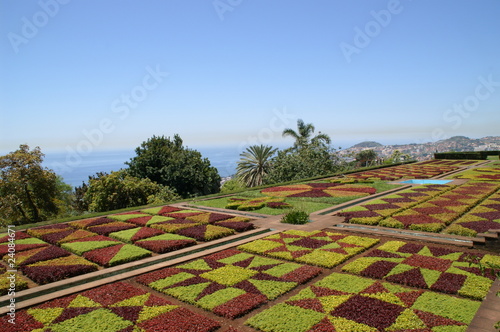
column 303, row 135
column 254, row 164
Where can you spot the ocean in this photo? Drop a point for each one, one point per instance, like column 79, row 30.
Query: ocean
column 76, row 169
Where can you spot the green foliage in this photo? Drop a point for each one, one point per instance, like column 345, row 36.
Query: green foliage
column 297, row 217
column 254, row 164
column 28, row 191
column 296, row 164
column 168, row 163
column 232, row 186
column 366, row 157
column 120, row 190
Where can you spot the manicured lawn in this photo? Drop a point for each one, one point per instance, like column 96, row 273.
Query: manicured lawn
column 307, row 204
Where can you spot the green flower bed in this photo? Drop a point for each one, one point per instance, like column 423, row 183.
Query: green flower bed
column 11, row 281
column 316, row 248
column 116, row 307
column 427, row 267
column 342, row 302
column 229, row 283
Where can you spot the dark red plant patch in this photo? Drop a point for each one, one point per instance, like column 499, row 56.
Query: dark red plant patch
column 140, row 221
column 481, row 226
column 148, row 278
column 239, row 226
column 449, row 283
column 116, row 226
column 240, row 305
column 146, row 232
column 369, row 311
column 163, row 246
column 378, row 269
column 383, row 254
column 180, row 320
column 426, row 262
column 46, row 254
column 19, row 235
column 412, row 278
column 310, row 243
column 302, row 274
column 411, row 248
column 46, row 274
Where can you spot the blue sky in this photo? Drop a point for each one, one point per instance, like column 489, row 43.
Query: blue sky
column 92, row 75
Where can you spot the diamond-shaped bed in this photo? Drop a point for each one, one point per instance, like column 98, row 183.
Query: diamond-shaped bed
column 342, row 302
column 116, row 307
column 229, row 283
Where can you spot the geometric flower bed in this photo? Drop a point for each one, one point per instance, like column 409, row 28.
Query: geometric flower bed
column 435, row 214
column 115, row 255
column 106, row 229
column 249, row 204
column 67, row 235
column 481, row 174
column 81, row 246
column 206, row 232
column 483, row 217
column 450, row 162
column 342, row 302
column 37, row 255
column 374, row 211
column 57, row 269
column 425, row 267
column 165, row 243
column 22, row 244
column 229, row 283
column 318, row 248
column 411, row 171
column 135, row 234
column 111, row 308
column 132, row 236
column 319, row 189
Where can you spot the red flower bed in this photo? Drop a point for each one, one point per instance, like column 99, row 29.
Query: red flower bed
column 42, row 254
column 239, row 226
column 19, row 236
column 449, row 283
column 47, row 274
column 163, row 246
column 369, row 311
column 240, row 305
column 145, row 233
column 115, row 226
column 180, row 320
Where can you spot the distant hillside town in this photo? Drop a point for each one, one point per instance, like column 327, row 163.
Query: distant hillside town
column 425, row 151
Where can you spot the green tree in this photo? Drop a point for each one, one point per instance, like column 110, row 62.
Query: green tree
column 366, row 157
column 168, row 163
column 309, row 161
column 120, row 190
column 254, row 164
column 303, row 135
column 28, row 191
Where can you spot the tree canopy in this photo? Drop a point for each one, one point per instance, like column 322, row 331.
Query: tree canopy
column 120, row 190
column 169, row 163
column 254, row 164
column 303, row 135
column 28, row 191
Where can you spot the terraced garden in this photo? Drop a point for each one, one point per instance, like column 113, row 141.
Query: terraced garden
column 312, row 277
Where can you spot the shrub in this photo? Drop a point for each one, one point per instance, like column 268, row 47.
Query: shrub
column 296, row 217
